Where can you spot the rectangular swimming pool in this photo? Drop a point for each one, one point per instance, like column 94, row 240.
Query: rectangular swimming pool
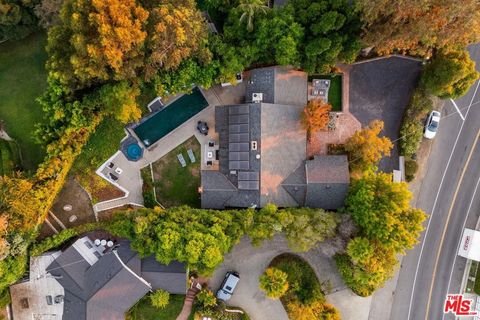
column 155, row 127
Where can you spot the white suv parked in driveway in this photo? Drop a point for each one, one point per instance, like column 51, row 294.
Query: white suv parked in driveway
column 228, row 285
column 431, row 125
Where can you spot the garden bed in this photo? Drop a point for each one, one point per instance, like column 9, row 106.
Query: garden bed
column 335, row 91
column 143, row 310
column 305, row 296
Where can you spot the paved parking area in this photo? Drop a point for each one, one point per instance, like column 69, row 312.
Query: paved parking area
column 250, row 262
column 381, row 89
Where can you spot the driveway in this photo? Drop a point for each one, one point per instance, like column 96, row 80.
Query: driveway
column 381, row 89
column 251, row 262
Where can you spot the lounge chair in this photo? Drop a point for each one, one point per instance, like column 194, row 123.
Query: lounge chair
column 182, row 160
column 191, row 155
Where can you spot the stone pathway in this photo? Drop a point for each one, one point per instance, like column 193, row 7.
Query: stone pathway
column 190, row 298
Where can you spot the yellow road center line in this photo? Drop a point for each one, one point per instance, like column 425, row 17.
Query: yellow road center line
column 448, row 220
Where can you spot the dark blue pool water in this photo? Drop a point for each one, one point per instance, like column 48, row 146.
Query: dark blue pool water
column 174, row 114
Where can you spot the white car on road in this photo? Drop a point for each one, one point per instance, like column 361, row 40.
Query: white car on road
column 431, row 125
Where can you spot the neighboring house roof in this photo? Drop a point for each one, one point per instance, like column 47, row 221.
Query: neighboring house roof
column 29, row 298
column 102, row 284
column 279, row 85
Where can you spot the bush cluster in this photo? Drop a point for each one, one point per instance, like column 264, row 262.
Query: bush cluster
column 411, row 130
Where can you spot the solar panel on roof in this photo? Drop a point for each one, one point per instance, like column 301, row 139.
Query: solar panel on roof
column 245, row 165
column 238, row 128
column 239, row 137
column 244, row 146
column 238, row 146
column 238, row 109
column 235, row 156
column 248, row 185
column 238, row 119
column 248, row 175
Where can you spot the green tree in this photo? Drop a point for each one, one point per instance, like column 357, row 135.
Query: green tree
column 368, row 271
column 17, row 19
column 160, row 299
column 381, row 208
column 249, row 9
column 360, row 249
column 309, row 227
column 274, row 282
column 450, row 74
column 332, row 31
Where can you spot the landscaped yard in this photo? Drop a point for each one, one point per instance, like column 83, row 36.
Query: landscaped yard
column 9, row 157
column 143, row 310
column 103, row 143
column 22, row 80
column 176, row 185
column 335, row 91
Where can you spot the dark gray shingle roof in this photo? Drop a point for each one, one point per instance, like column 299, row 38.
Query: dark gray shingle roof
column 107, row 289
column 328, row 179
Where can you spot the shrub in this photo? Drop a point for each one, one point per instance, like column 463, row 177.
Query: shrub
column 411, row 168
column 5, row 297
column 411, row 130
column 274, row 282
column 160, row 299
column 62, row 237
column 411, row 134
column 206, row 299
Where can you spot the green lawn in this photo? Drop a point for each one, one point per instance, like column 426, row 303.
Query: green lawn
column 335, row 91
column 174, row 184
column 143, row 310
column 22, row 80
column 102, row 144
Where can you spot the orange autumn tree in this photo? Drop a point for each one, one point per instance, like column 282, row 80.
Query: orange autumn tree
column 315, row 116
column 417, row 27
column 177, row 30
column 365, row 148
column 97, row 41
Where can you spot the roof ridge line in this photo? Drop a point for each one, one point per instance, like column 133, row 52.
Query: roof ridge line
column 131, row 271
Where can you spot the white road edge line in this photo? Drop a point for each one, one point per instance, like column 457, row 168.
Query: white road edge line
column 458, row 110
column 459, row 243
column 435, row 202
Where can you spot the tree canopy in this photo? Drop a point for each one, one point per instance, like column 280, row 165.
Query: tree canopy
column 417, row 27
column 365, row 148
column 177, row 30
column 450, row 74
column 315, row 116
column 105, row 40
column 382, row 209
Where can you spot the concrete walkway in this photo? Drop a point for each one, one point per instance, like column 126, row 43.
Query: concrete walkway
column 130, row 180
column 251, row 262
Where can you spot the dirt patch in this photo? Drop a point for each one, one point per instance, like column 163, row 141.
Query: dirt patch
column 73, row 206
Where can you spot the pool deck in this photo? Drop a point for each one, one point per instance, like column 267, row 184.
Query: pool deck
column 130, row 180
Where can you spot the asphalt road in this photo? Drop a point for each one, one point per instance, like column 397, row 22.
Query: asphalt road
column 449, row 194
